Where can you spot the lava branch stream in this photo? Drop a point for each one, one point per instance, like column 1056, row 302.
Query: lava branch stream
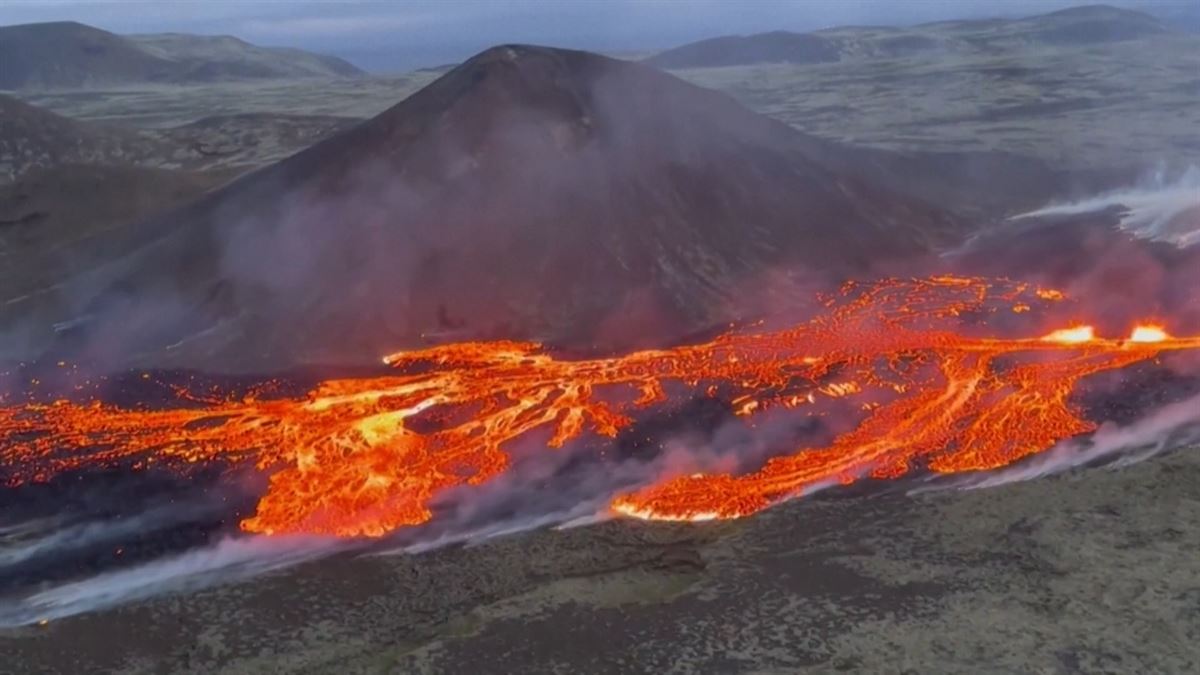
column 365, row 456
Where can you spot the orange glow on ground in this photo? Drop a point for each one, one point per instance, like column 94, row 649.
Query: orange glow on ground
column 366, row 456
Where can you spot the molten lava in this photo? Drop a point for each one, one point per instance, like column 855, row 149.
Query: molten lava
column 1072, row 336
column 1146, row 334
column 363, row 457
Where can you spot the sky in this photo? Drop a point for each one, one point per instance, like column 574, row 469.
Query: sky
column 404, row 34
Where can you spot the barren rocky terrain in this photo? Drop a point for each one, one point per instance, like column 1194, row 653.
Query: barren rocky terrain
column 1132, row 102
column 217, row 125
column 68, row 54
column 1088, row 572
column 1128, row 103
column 1073, row 26
column 158, row 107
column 32, row 138
column 1091, row 571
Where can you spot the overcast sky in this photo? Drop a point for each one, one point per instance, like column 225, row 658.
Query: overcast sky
column 403, row 34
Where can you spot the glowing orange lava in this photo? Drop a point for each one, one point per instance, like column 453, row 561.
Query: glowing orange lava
column 362, row 457
column 1149, row 334
column 1072, row 336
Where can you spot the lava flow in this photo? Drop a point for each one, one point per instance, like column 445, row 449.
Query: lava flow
column 363, row 457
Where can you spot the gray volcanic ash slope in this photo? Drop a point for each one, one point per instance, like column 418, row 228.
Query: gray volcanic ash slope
column 530, row 192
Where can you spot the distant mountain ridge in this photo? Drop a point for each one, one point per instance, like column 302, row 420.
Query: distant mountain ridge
column 1094, row 24
column 224, row 55
column 67, row 54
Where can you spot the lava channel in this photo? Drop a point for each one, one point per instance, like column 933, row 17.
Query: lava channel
column 366, row 456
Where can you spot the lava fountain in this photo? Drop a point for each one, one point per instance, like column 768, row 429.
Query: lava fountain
column 366, row 456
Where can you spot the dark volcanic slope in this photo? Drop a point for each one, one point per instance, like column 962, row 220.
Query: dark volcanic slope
column 66, row 54
column 31, row 137
column 1096, row 24
column 46, row 210
column 69, row 54
column 731, row 50
column 529, row 192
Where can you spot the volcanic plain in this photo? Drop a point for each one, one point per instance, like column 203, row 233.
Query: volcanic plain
column 1085, row 572
column 1092, row 570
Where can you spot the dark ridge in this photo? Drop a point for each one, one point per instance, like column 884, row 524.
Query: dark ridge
column 774, row 47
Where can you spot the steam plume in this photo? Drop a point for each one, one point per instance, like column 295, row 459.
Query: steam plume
column 1161, row 209
column 228, row 560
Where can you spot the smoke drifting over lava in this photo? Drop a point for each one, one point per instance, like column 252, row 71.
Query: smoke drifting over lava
column 1161, row 208
column 372, row 455
column 619, row 214
column 1176, row 425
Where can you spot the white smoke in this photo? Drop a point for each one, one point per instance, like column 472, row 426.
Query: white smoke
column 235, row 559
column 586, row 513
column 230, row 559
column 1158, row 209
column 44, row 537
column 519, row 500
column 1171, row 427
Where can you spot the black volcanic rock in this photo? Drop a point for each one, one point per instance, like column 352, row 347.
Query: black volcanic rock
column 1090, row 24
column 530, row 192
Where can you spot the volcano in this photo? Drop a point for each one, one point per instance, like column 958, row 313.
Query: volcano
column 526, row 213
column 529, row 193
